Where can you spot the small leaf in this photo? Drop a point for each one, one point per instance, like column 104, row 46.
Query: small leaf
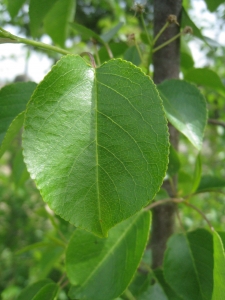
column 210, row 183
column 185, row 108
column 219, row 268
column 56, row 22
column 197, row 173
column 85, row 32
column 13, row 100
column 14, row 6
column 206, row 77
column 132, row 55
column 96, row 142
column 106, row 37
column 154, row 292
column 174, row 162
column 38, row 9
column 29, row 292
column 19, row 170
column 213, row 5
column 48, row 292
column 101, row 269
column 186, row 21
column 12, row 131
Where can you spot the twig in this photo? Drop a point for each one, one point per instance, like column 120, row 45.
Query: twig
column 160, row 202
column 216, row 122
column 201, row 213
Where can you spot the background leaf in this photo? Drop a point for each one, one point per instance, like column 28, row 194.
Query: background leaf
column 107, row 36
column 13, row 100
column 219, row 268
column 101, row 269
column 14, row 6
column 210, row 183
column 206, row 77
column 38, row 9
column 29, row 292
column 56, row 22
column 113, row 134
column 185, row 108
column 197, row 173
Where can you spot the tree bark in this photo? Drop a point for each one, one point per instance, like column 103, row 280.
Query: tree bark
column 166, row 62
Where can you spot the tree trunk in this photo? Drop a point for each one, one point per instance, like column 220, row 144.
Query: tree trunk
column 166, row 62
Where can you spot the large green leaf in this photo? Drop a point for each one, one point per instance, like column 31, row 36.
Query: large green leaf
column 185, row 108
column 96, row 142
column 38, row 9
column 219, row 268
column 14, row 6
column 188, row 265
column 56, row 22
column 101, row 269
column 13, row 100
column 206, row 77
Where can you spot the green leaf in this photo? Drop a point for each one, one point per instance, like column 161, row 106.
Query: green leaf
column 38, row 9
column 29, row 292
column 210, row 183
column 13, row 100
column 48, row 292
column 117, row 49
column 19, row 170
column 49, row 258
column 12, row 131
column 14, row 6
column 56, row 22
column 186, row 21
column 185, row 183
column 154, row 292
column 170, row 293
column 185, row 108
column 197, row 173
column 174, row 162
column 106, row 37
column 132, row 55
column 96, row 142
column 101, row 269
column 188, row 265
column 206, row 77
column 85, row 32
column 219, row 268
column 187, row 61
column 212, row 5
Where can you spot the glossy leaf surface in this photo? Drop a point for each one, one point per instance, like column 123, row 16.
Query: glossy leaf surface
column 96, row 142
column 185, row 108
column 101, row 269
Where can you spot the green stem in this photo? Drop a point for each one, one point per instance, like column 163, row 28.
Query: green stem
column 139, row 52
column 146, row 31
column 127, row 293
column 167, row 42
column 33, row 43
column 160, row 32
column 108, row 50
